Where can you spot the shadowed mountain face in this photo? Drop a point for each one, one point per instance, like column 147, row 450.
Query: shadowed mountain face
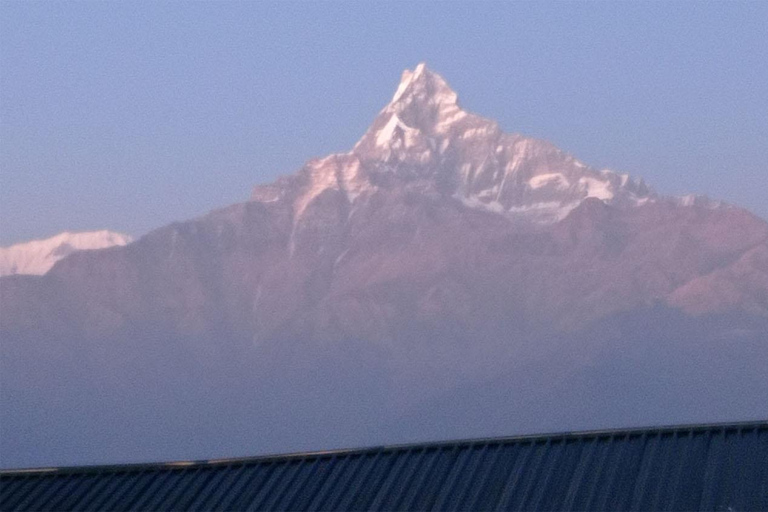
column 442, row 279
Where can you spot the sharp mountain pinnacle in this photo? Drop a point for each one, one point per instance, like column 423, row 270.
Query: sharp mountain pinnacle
column 422, row 138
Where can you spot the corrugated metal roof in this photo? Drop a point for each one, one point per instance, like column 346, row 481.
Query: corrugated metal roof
column 707, row 467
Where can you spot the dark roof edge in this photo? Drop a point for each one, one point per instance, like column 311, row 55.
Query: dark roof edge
column 555, row 436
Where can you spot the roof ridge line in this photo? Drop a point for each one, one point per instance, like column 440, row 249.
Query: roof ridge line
column 143, row 466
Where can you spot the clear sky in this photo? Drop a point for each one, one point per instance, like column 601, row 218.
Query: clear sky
column 129, row 116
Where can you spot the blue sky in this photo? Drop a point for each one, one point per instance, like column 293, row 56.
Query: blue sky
column 130, row 116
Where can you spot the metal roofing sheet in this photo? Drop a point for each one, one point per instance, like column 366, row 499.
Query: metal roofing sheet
column 708, row 467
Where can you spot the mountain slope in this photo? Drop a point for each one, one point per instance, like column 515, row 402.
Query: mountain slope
column 349, row 302
column 38, row 256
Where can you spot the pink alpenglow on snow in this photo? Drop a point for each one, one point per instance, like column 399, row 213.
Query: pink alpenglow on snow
column 38, row 256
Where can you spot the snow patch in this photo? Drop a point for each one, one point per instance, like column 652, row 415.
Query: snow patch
column 450, row 119
column 547, row 212
column 624, row 179
column 419, row 70
column 404, row 83
column 322, row 176
column 385, row 138
column 385, row 134
column 555, row 179
column 354, row 183
column 474, row 201
column 475, row 132
column 596, row 188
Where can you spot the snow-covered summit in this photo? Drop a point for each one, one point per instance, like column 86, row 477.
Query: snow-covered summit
column 423, row 138
column 38, row 256
column 425, row 100
column 420, row 116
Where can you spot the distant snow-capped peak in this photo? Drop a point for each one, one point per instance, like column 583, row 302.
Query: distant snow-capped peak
column 423, row 137
column 38, row 256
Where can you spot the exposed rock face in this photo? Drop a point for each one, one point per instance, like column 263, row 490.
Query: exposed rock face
column 442, row 279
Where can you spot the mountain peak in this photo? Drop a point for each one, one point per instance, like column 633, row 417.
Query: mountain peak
column 405, row 80
column 38, row 256
column 423, row 85
column 423, row 138
column 422, row 110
